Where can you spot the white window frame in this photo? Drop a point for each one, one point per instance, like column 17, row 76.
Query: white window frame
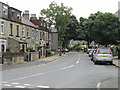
column 5, row 10
column 37, row 35
column 23, row 32
column 18, row 16
column 17, row 30
column 28, row 33
column 2, row 28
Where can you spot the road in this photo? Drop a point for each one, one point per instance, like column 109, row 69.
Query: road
column 75, row 70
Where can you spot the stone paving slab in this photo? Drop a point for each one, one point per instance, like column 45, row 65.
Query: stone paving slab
column 116, row 61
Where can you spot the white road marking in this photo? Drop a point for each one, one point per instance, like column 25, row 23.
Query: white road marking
column 4, row 82
column 20, row 86
column 77, row 62
column 98, row 85
column 15, row 83
column 43, row 86
column 66, row 67
column 27, row 84
column 8, row 85
column 27, row 77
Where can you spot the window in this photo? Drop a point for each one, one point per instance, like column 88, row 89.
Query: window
column 18, row 16
column 28, row 33
column 33, row 34
column 13, row 13
column 23, row 33
column 5, row 10
column 43, row 36
column 36, row 34
column 2, row 28
column 40, row 35
column 17, row 30
column 11, row 29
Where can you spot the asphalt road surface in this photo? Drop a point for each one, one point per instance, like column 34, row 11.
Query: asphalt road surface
column 75, row 70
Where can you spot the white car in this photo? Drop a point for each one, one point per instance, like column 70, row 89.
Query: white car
column 103, row 55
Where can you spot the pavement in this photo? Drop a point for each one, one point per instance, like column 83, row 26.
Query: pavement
column 31, row 63
column 116, row 62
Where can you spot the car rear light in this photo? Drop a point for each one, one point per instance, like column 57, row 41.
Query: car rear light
column 98, row 51
column 111, row 52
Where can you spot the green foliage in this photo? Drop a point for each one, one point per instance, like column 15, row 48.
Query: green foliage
column 49, row 53
column 71, row 31
column 38, row 47
column 76, row 47
column 30, row 48
column 59, row 16
column 103, row 28
column 115, row 47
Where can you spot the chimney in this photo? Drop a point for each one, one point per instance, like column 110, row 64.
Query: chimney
column 33, row 17
column 41, row 18
column 26, row 14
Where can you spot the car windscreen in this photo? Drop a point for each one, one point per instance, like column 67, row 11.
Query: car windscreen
column 104, row 51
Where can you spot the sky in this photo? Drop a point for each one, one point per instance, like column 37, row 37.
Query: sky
column 81, row 8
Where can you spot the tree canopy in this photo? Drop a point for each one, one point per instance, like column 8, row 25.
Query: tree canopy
column 103, row 28
column 58, row 15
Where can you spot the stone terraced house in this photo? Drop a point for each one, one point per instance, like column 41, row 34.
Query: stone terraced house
column 18, row 30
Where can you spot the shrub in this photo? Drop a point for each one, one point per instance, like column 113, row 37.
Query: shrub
column 49, row 53
column 30, row 49
column 38, row 47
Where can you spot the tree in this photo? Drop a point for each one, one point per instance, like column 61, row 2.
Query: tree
column 58, row 15
column 84, row 31
column 103, row 28
column 71, row 33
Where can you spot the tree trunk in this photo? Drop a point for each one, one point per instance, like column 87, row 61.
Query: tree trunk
column 88, row 43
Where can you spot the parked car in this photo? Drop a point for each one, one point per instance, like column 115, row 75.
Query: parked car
column 64, row 50
column 91, row 52
column 103, row 55
column 88, row 50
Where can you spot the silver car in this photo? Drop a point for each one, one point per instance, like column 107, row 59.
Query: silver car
column 103, row 55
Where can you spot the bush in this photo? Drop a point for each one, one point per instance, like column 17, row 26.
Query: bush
column 76, row 47
column 38, row 47
column 49, row 53
column 115, row 48
column 30, row 49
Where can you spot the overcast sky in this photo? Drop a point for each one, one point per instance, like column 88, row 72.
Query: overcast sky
column 81, row 8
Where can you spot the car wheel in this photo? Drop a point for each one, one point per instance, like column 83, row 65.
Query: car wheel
column 91, row 59
column 95, row 62
column 111, row 62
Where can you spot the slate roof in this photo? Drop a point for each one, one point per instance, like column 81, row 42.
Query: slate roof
column 28, row 22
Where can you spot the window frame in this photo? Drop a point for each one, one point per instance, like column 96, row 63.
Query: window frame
column 5, row 10
column 2, row 24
